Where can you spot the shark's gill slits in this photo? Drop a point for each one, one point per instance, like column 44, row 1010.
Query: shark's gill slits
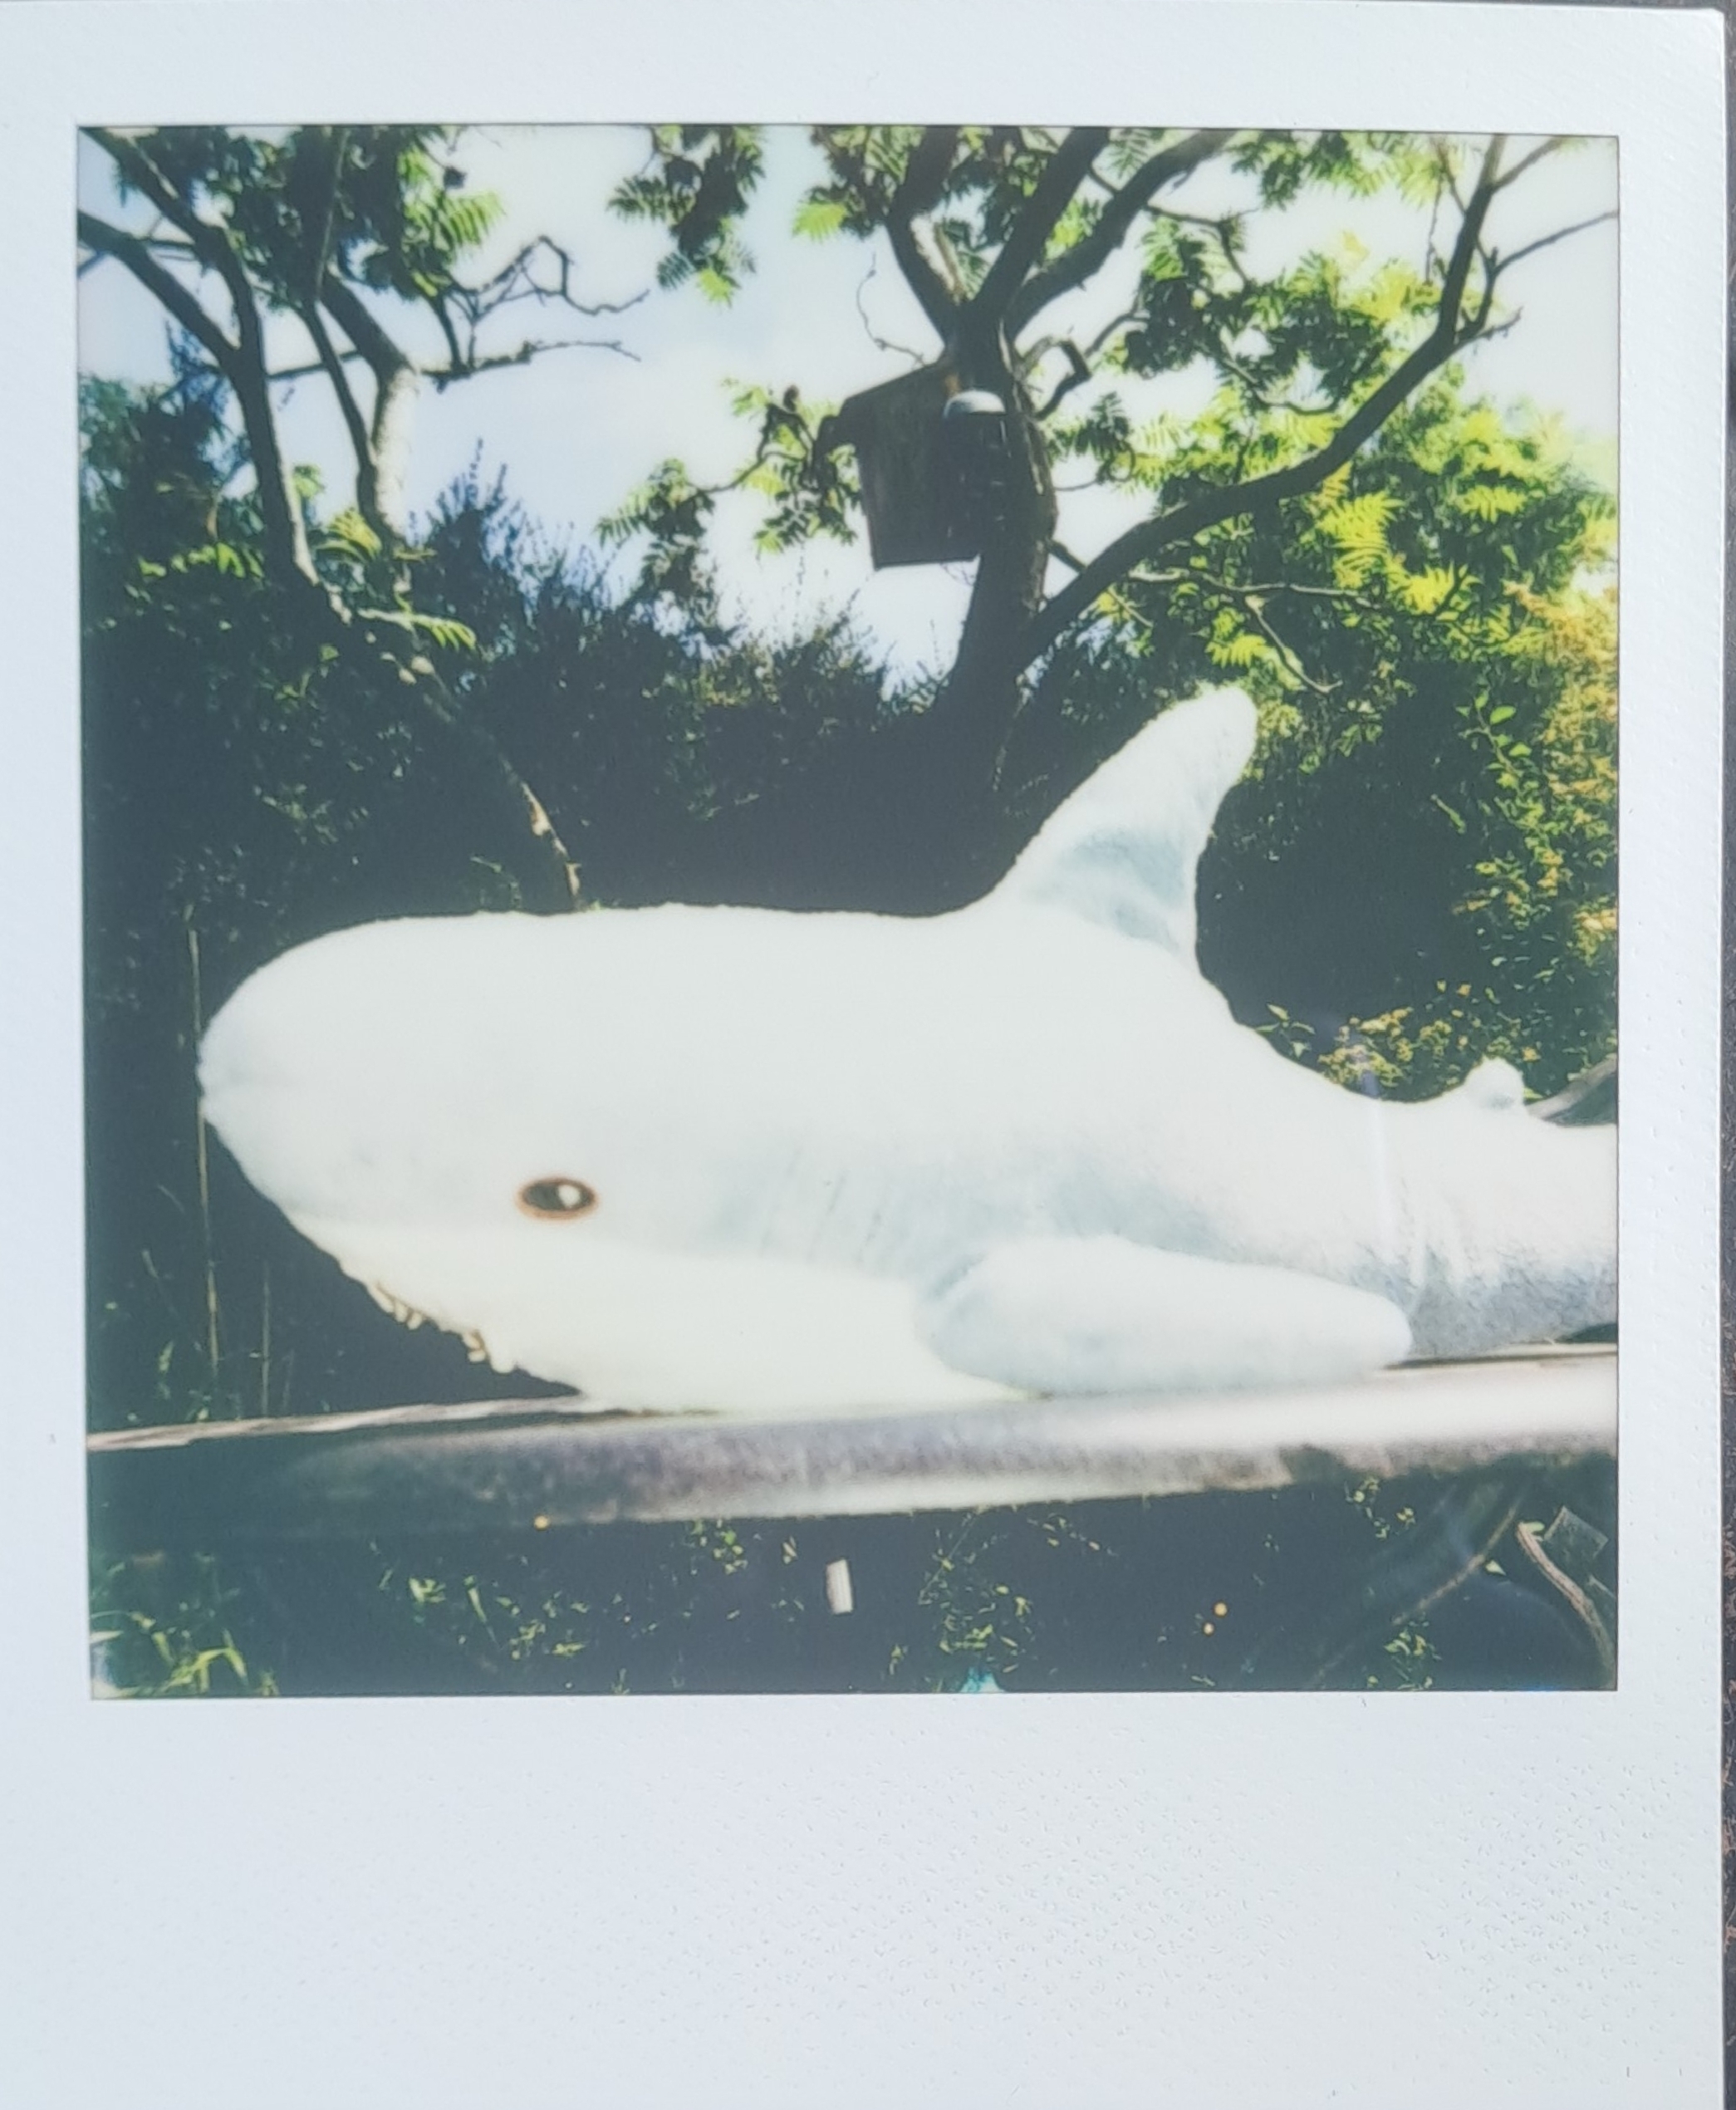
column 556, row 1197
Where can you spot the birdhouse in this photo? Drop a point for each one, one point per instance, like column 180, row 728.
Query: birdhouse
column 974, row 442
column 932, row 459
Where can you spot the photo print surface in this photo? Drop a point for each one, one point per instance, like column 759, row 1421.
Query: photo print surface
column 851, row 909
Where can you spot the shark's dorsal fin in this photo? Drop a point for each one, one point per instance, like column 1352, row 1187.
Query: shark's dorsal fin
column 1495, row 1086
column 1123, row 849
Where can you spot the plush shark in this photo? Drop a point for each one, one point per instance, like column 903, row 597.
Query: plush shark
column 760, row 1162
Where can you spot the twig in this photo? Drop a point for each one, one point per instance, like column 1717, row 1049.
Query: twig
column 1078, row 374
column 532, row 348
column 1548, row 240
column 1288, row 652
column 1529, row 161
column 878, row 342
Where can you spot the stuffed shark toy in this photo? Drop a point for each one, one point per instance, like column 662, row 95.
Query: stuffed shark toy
column 766, row 1163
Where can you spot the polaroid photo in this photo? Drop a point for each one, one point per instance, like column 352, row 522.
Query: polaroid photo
column 852, row 912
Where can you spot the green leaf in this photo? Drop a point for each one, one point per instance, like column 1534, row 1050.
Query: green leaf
column 446, row 632
column 816, row 217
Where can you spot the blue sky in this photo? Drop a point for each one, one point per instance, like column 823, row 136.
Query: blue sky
column 575, row 430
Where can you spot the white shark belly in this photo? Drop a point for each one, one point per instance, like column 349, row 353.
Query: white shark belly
column 741, row 1334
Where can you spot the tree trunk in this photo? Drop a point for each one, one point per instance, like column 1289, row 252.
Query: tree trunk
column 980, row 700
column 288, row 559
column 381, row 482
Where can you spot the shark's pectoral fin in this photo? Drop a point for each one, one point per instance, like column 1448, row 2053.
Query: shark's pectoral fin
column 1101, row 1314
column 1123, row 849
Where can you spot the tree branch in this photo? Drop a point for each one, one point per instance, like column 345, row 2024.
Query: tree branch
column 1548, row 241
column 443, row 316
column 1064, row 171
column 925, row 179
column 317, row 177
column 320, row 158
column 360, row 325
column 1288, row 652
column 878, row 342
column 516, row 281
column 1527, row 161
column 396, row 378
column 163, row 286
column 1194, row 515
column 443, row 377
column 210, row 243
column 1193, row 575
column 332, row 365
column 560, row 868
column 1218, row 226
column 1110, row 329
column 318, row 165
column 1087, row 257
column 286, row 552
column 1078, row 373
column 306, row 371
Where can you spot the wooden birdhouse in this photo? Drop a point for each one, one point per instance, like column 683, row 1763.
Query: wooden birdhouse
column 932, row 460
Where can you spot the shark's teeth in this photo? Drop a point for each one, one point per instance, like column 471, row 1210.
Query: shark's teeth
column 475, row 1346
column 406, row 1314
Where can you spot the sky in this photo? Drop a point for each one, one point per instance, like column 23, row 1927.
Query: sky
column 577, row 429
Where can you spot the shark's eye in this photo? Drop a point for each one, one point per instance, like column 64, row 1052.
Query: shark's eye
column 557, row 1198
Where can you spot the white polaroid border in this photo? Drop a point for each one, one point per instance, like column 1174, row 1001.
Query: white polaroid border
column 1208, row 1900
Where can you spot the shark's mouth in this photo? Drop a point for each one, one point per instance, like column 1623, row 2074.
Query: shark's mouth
column 556, row 1197
column 407, row 1315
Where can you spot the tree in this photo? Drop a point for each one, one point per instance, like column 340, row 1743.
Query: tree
column 351, row 232
column 1005, row 236
column 349, row 229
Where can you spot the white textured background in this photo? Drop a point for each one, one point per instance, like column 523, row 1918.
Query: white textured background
column 1208, row 1900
